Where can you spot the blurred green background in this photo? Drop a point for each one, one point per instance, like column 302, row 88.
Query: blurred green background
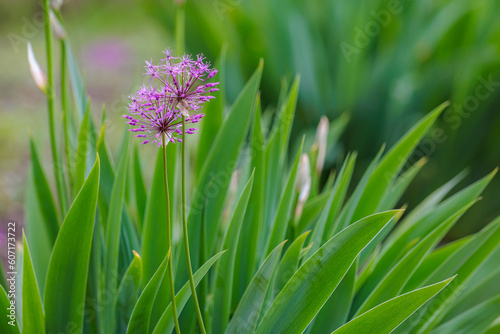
column 384, row 63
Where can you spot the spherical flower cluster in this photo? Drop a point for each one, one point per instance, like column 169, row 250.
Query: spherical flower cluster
column 178, row 87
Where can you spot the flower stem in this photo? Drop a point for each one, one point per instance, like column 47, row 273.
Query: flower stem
column 64, row 106
column 60, row 184
column 169, row 236
column 185, row 229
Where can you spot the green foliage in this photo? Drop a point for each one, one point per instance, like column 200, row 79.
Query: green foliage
column 350, row 263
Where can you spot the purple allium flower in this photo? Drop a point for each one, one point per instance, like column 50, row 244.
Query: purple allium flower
column 183, row 80
column 177, row 88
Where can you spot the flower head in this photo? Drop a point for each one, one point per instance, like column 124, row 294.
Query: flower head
column 183, row 80
column 177, row 88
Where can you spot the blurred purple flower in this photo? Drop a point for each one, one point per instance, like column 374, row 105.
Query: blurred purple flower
column 178, row 86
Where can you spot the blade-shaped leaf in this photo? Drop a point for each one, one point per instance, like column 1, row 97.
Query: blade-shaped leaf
column 128, row 291
column 166, row 322
column 68, row 267
column 475, row 320
column 392, row 163
column 289, row 262
column 8, row 325
column 44, row 195
column 33, row 317
column 389, row 315
column 112, row 238
column 139, row 320
column 392, row 284
column 225, row 268
column 313, row 283
column 282, row 217
column 249, row 309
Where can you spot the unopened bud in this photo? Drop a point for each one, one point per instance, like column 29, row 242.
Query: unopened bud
column 321, row 141
column 56, row 25
column 36, row 72
column 303, row 184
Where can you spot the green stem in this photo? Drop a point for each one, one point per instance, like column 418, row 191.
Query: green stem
column 185, row 229
column 64, row 106
column 61, row 193
column 169, row 236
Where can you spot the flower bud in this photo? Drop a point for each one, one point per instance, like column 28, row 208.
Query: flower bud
column 303, row 184
column 57, row 27
column 36, row 72
column 321, row 141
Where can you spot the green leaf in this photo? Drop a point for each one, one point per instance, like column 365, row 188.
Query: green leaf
column 225, row 268
column 477, row 293
column 394, row 193
column 285, row 206
column 387, row 316
column 289, row 262
column 128, row 291
column 166, row 322
column 392, row 163
column 217, row 170
column 286, row 115
column 107, row 177
column 475, row 253
column 432, row 261
column 475, row 320
column 8, row 325
column 68, row 267
column 33, row 318
column 314, row 282
column 139, row 187
column 112, row 239
column 215, row 109
column 250, row 307
column 81, row 151
column 334, row 204
column 312, row 209
column 154, row 233
column 392, row 284
column 345, row 217
column 334, row 313
column 44, row 195
column 418, row 229
column 139, row 320
column 76, row 81
column 36, row 234
column 249, row 245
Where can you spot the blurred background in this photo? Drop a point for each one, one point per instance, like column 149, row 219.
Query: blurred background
column 381, row 64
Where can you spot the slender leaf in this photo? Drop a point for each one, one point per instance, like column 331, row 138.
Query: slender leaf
column 475, row 320
column 225, row 268
column 166, row 322
column 139, row 320
column 285, row 206
column 249, row 310
column 33, row 317
column 387, row 316
column 44, row 195
column 68, row 267
column 314, row 282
